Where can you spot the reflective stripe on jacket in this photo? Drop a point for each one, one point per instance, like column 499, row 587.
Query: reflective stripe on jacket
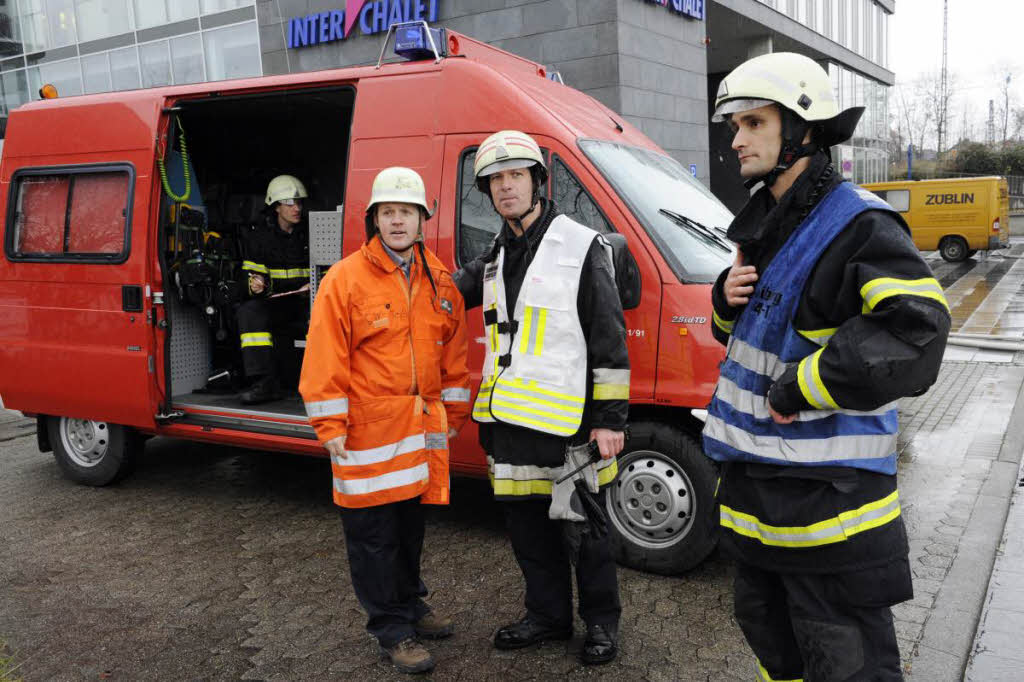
column 385, row 366
column 764, row 340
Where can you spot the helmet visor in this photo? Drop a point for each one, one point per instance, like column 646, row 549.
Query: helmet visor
column 733, row 106
column 507, row 164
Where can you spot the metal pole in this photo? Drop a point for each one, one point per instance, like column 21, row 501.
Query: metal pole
column 910, row 162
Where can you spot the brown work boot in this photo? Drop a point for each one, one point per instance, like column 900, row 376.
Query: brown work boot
column 433, row 626
column 409, row 656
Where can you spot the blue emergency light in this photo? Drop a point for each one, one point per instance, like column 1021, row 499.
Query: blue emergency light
column 411, row 41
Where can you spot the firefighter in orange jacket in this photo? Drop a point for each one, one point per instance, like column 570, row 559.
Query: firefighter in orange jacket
column 385, row 385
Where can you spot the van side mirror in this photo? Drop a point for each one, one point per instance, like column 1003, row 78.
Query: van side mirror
column 627, row 272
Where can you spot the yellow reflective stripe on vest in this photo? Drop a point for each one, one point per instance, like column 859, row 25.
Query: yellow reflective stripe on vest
column 877, row 290
column 836, row 529
column 763, row 676
column 818, row 336
column 534, row 321
column 254, row 267
column 256, row 339
column 811, row 385
column 725, row 325
column 510, row 480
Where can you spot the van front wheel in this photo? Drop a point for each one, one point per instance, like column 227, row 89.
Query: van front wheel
column 953, row 249
column 661, row 505
column 91, row 452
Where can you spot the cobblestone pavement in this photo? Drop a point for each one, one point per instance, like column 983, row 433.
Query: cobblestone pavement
column 214, row 563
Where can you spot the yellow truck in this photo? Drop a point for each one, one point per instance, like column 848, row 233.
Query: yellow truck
column 957, row 216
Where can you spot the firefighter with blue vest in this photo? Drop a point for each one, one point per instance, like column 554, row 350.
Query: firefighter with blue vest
column 829, row 315
column 555, row 378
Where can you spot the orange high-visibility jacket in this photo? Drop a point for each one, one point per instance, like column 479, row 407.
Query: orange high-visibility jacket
column 385, row 366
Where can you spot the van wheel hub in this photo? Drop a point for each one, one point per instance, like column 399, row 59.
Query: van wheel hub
column 86, row 441
column 652, row 500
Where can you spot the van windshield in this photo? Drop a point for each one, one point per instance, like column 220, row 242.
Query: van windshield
column 682, row 217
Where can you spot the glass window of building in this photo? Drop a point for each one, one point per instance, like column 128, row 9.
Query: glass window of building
column 102, row 18
column 60, row 15
column 211, row 6
column 14, row 87
column 232, row 52
column 34, row 29
column 65, row 75
column 187, row 59
column 96, row 73
column 156, row 64
column 158, row 12
column 124, row 69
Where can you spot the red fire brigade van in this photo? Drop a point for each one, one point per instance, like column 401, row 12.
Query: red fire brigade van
column 117, row 289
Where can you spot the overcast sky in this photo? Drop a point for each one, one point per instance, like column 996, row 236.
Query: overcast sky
column 985, row 38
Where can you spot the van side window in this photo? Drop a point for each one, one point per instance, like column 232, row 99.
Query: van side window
column 79, row 215
column 899, row 199
column 478, row 221
column 574, row 201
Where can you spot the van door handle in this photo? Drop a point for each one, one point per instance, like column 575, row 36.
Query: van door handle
column 131, row 298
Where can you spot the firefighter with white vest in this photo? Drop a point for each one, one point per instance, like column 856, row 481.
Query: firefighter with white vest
column 385, row 385
column 830, row 315
column 555, row 378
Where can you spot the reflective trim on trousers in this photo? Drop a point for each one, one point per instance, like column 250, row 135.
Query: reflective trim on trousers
column 763, row 676
column 375, row 484
column 757, row 405
column 877, row 290
column 252, row 339
column 827, row 532
column 809, row 378
column 803, row 451
column 455, row 395
column 383, row 453
column 327, row 408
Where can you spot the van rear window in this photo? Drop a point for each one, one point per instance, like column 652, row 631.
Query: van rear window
column 79, row 214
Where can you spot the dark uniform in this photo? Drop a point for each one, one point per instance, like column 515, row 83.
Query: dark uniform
column 282, row 258
column 537, row 540
column 820, row 608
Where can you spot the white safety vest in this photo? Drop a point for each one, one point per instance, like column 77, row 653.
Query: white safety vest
column 535, row 368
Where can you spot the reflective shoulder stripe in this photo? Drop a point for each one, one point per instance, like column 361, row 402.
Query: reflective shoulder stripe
column 455, row 395
column 811, row 385
column 877, row 290
column 725, row 325
column 382, row 453
column 254, row 267
column 829, row 531
column 611, row 384
column 374, row 484
column 818, row 336
column 327, row 408
column 252, row 339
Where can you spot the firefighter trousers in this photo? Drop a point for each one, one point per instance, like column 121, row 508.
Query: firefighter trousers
column 539, row 548
column 822, row 627
column 257, row 319
column 384, row 545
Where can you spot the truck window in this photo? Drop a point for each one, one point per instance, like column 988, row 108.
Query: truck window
column 79, row 215
column 899, row 199
column 574, row 201
column 478, row 221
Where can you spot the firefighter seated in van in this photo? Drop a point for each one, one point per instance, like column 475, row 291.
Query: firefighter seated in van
column 277, row 265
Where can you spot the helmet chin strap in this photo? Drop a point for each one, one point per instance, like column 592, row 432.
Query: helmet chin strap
column 794, row 129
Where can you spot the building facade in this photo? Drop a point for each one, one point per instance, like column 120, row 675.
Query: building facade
column 657, row 62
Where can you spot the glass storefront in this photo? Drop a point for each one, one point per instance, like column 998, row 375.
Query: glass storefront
column 31, row 31
column 859, row 25
column 864, row 158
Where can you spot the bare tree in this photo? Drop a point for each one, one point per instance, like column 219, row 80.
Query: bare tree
column 1002, row 73
column 913, row 115
column 936, row 100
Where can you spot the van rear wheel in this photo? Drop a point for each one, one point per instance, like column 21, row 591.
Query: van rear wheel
column 953, row 249
column 661, row 505
column 91, row 452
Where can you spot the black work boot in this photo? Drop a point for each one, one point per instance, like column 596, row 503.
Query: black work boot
column 263, row 390
column 601, row 644
column 526, row 632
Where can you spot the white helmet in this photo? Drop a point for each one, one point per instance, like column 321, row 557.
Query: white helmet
column 401, row 186
column 506, row 149
column 285, row 187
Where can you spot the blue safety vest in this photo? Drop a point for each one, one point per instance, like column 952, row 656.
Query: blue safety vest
column 764, row 341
